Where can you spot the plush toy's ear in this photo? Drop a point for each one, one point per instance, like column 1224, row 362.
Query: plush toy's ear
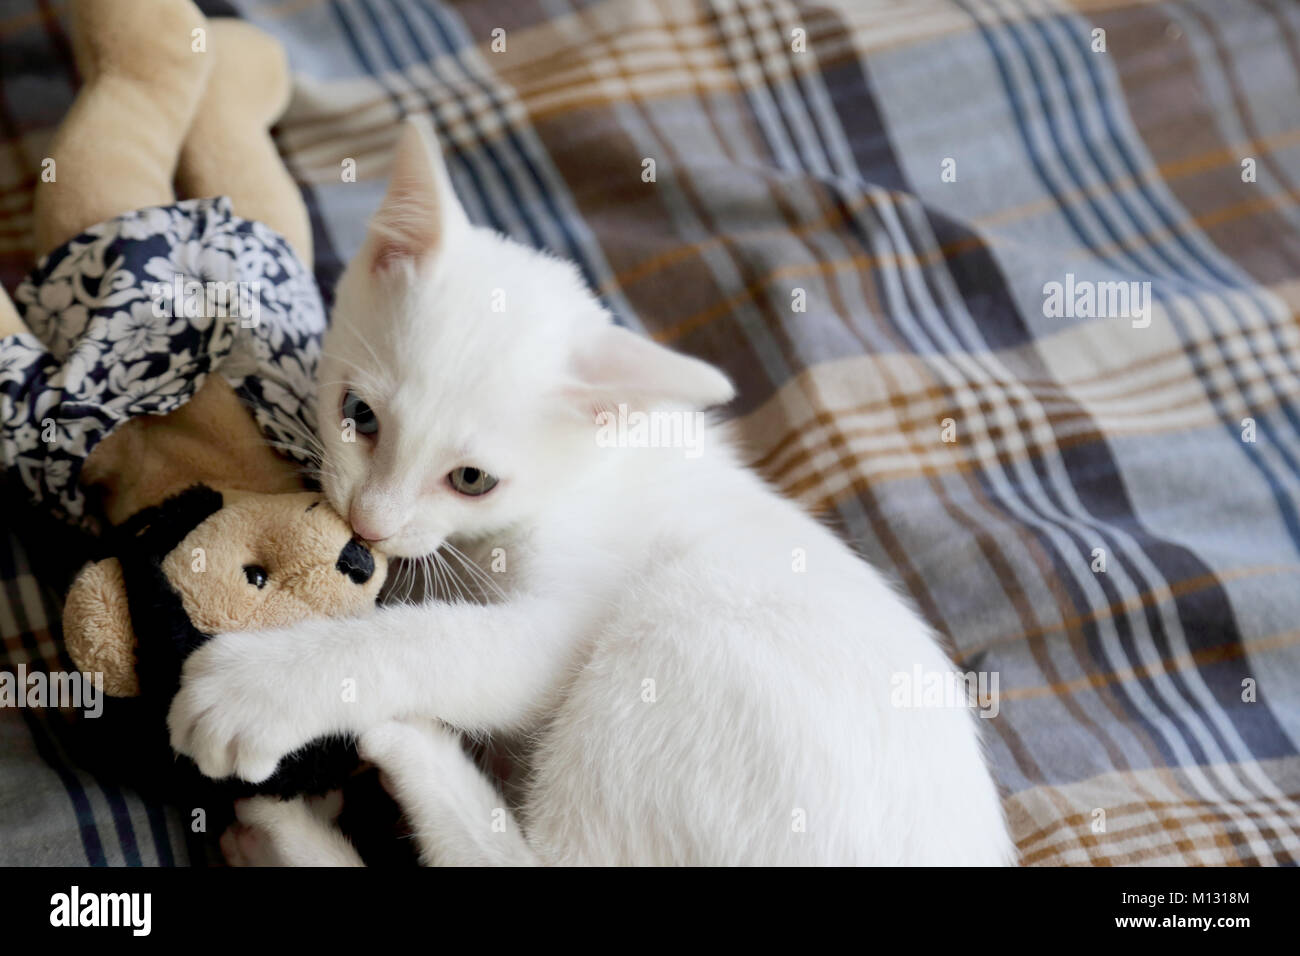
column 97, row 627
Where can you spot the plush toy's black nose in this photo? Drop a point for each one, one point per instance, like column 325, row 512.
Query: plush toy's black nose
column 356, row 562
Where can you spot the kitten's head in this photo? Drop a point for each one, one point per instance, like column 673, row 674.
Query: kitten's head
column 462, row 371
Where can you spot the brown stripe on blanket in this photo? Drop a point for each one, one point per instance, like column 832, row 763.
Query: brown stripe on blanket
column 1214, row 827
column 1071, row 833
column 785, row 454
column 1151, row 598
column 1193, row 809
column 1097, row 679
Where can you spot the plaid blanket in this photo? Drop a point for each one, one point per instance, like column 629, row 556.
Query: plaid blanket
column 1009, row 290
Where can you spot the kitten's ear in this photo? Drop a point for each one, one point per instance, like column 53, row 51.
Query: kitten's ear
column 614, row 366
column 420, row 212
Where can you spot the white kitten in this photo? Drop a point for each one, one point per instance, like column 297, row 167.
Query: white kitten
column 694, row 698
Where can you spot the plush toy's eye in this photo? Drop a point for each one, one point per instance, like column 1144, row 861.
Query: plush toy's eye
column 472, row 481
column 256, row 575
column 360, row 413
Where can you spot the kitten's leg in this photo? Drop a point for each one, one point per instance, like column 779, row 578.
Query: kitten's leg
column 249, row 698
column 458, row 816
column 298, row 832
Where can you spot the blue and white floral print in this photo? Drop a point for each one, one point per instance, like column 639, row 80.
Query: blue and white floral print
column 132, row 315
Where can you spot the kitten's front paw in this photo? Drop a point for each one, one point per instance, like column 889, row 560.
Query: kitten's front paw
column 230, row 716
column 408, row 752
column 396, row 739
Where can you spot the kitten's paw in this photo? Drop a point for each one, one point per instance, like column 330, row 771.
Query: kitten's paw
column 251, row 839
column 243, row 845
column 230, row 714
column 410, row 751
column 298, row 832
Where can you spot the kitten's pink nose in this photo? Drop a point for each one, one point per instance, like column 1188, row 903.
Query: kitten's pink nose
column 368, row 525
column 376, row 512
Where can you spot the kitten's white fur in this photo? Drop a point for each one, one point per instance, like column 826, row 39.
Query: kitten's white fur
column 694, row 698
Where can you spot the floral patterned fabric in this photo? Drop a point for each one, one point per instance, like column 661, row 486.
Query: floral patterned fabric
column 132, row 315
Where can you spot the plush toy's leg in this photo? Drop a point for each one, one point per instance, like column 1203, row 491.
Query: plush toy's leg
column 229, row 150
column 298, row 832
column 116, row 149
column 455, row 812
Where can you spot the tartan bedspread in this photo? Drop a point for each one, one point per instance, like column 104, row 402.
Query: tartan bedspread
column 1009, row 290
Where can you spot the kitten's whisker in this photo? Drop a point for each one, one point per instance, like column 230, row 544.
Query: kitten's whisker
column 452, row 578
column 476, row 574
column 436, row 568
column 431, row 583
column 273, row 441
column 409, row 569
column 289, row 446
column 471, row 593
column 301, row 431
column 396, row 574
column 448, row 586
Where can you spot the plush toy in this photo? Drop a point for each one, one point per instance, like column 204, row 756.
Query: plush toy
column 205, row 562
column 126, row 388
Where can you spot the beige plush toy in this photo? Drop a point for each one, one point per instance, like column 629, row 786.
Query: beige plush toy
column 131, row 399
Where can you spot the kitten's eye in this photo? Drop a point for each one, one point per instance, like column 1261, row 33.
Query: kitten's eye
column 360, row 413
column 472, row 481
column 256, row 575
